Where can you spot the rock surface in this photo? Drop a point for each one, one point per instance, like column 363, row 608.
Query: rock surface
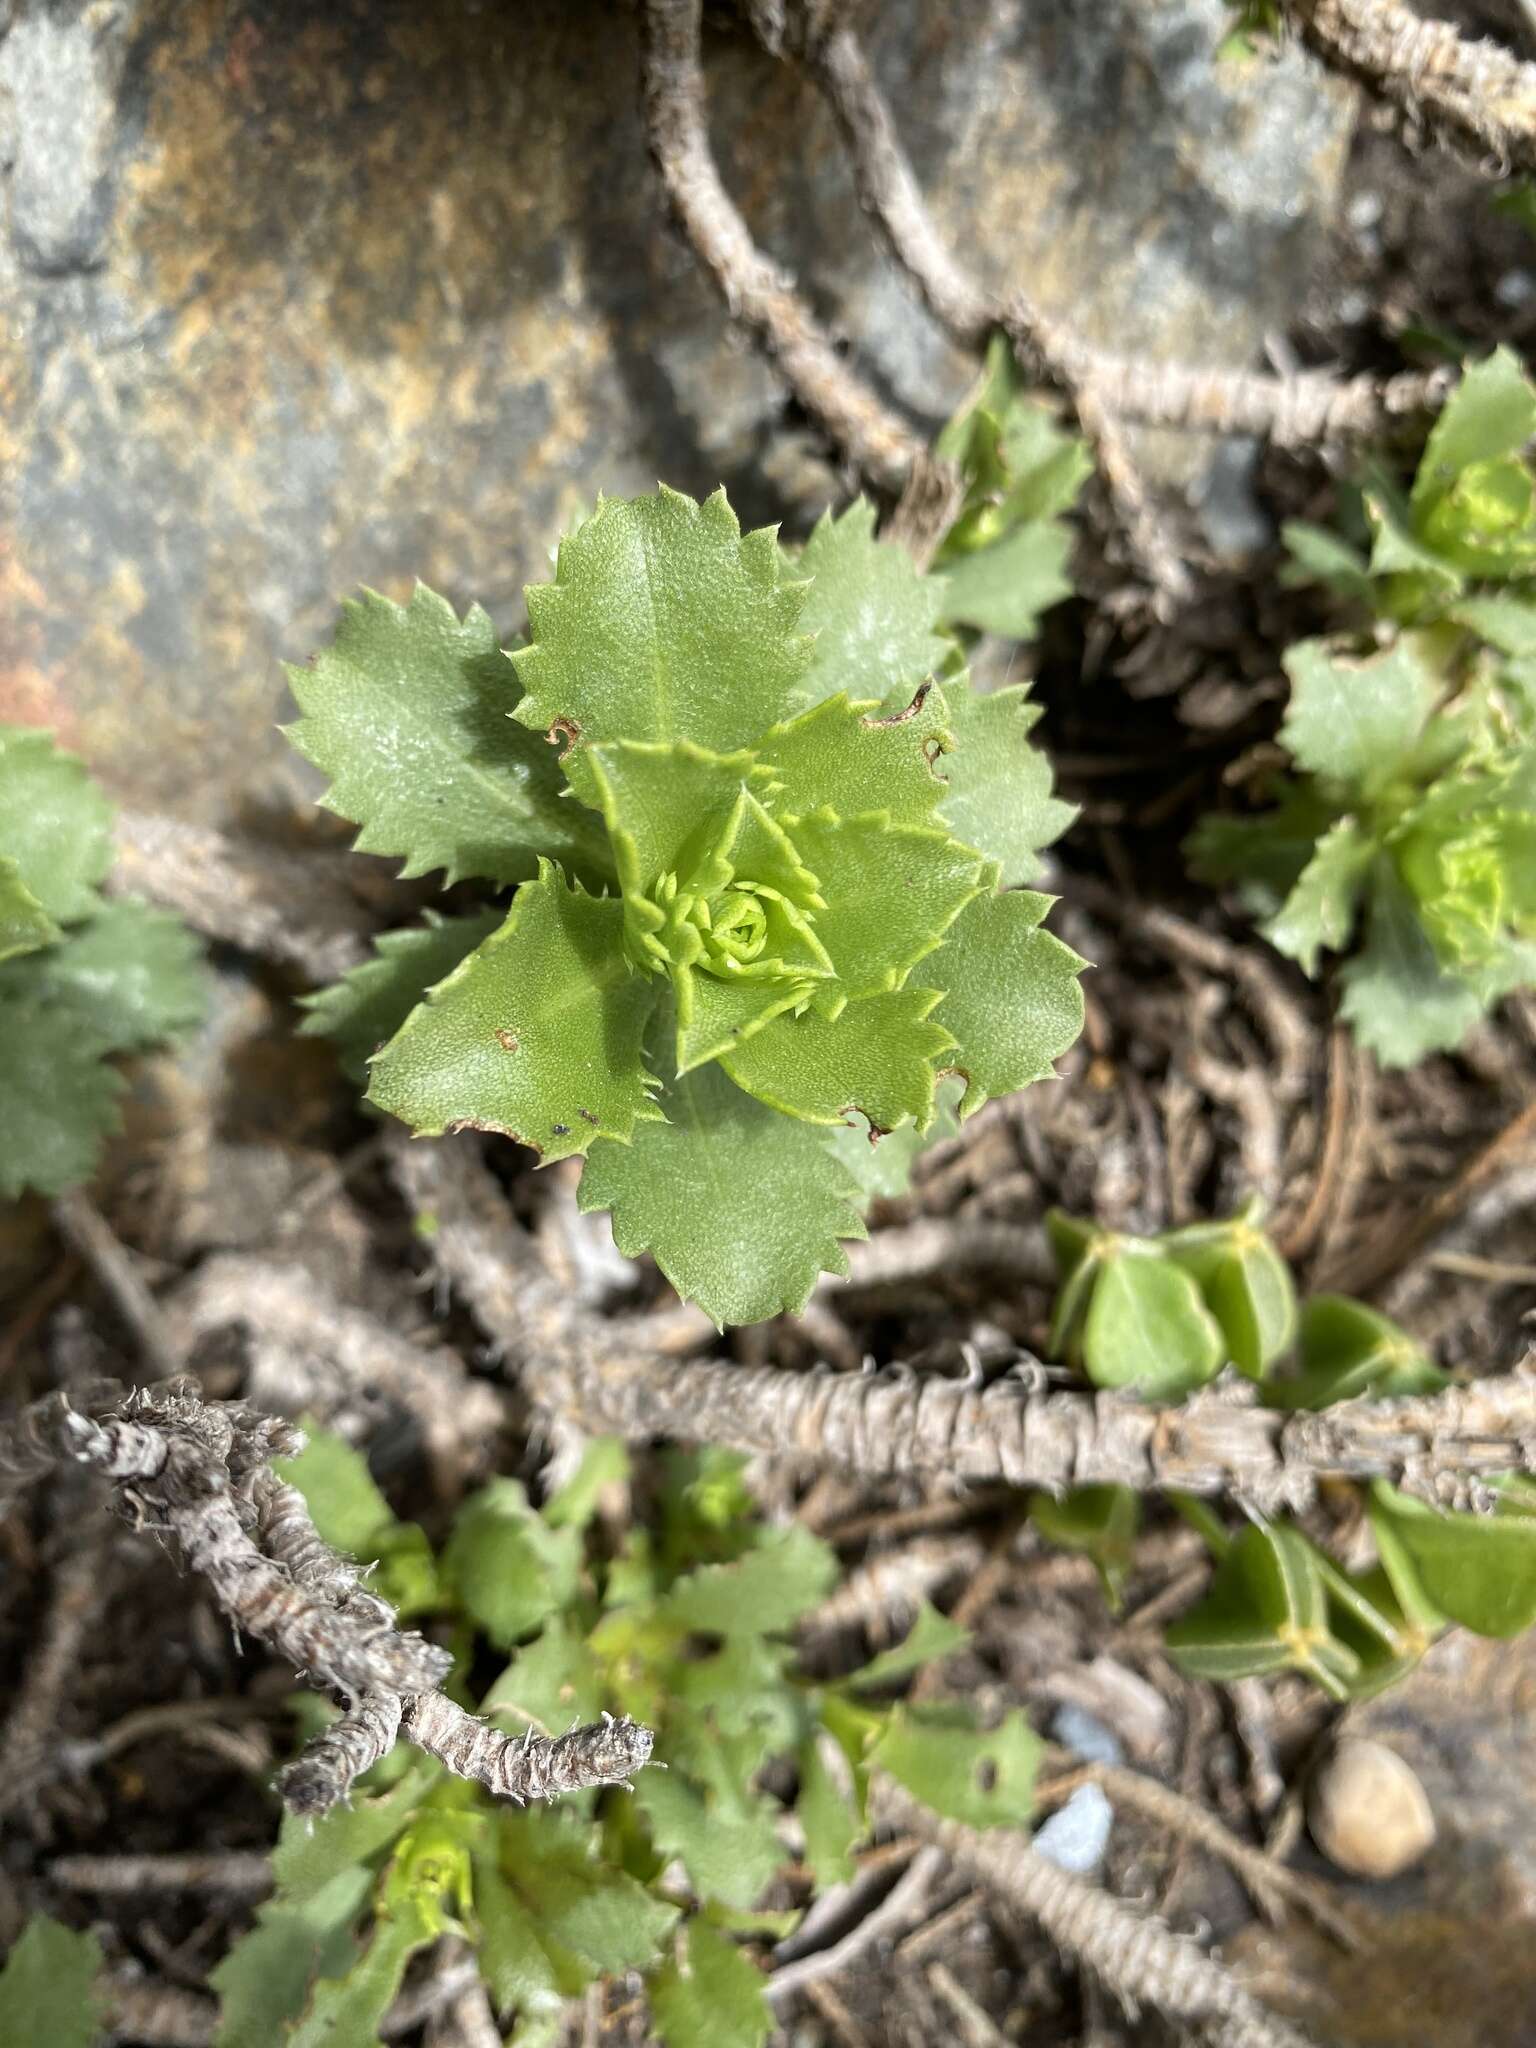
column 293, row 298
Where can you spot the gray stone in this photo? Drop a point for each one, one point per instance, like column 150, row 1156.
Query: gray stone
column 295, row 298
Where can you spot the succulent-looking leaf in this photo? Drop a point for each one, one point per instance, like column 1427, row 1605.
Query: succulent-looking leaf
column 891, row 892
column 882, row 1166
column 1349, row 1349
column 1319, row 913
column 663, row 623
column 409, row 712
column 55, row 823
column 48, row 1987
column 1011, row 996
column 1356, row 721
column 871, row 613
column 1479, row 1570
column 24, row 924
column 1148, row 1328
column 1267, row 1610
column 1100, row 1522
column 536, row 1034
column 741, row 1207
column 983, row 1778
column 845, row 755
column 58, row 1097
column 363, row 1011
column 712, row 1997
column 1244, row 1282
column 130, row 977
column 876, row 1057
column 999, row 797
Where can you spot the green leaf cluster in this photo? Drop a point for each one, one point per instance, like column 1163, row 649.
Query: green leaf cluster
column 685, row 1625
column 1164, row 1314
column 82, row 979
column 50, row 1986
column 1407, row 835
column 770, row 844
column 1005, row 556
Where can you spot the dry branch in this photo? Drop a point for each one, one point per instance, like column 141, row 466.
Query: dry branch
column 1142, row 1961
column 1474, row 96
column 895, row 1421
column 200, row 1472
column 756, row 292
column 245, row 895
column 1302, row 410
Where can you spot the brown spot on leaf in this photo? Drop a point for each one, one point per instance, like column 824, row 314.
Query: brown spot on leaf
column 901, row 717
column 566, row 731
column 591, row 1119
column 507, row 1040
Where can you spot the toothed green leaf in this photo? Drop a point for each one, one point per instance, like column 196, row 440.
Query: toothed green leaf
column 845, row 756
column 1319, row 913
column 409, row 713
column 882, row 1166
column 537, row 1033
column 710, row 1997
column 741, row 1207
column 363, row 1011
column 24, row 924
column 891, row 892
column 58, row 1097
column 982, row 1777
column 130, row 977
column 50, row 1992
column 1006, row 587
column 1356, row 721
column 510, row 1569
column 999, row 798
column 264, row 1981
column 663, row 623
column 767, row 1590
column 55, row 823
column 871, row 612
column 1011, row 995
column 878, row 1057
column 1399, row 1000
column 1490, row 414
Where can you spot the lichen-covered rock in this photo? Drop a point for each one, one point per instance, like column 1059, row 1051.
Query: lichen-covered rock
column 294, row 298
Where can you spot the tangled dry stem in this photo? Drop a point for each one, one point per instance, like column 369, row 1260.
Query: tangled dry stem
column 1474, row 96
column 756, row 292
column 891, row 1421
column 201, row 1472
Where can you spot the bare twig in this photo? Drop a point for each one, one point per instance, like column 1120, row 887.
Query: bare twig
column 1474, row 96
column 335, row 1758
column 81, row 1584
column 89, row 1235
column 313, row 1353
column 605, row 1752
column 895, row 1421
column 904, row 1903
column 232, row 1873
column 1270, row 1882
column 245, row 896
column 1297, row 411
column 1140, row 1959
column 162, row 2014
column 754, row 289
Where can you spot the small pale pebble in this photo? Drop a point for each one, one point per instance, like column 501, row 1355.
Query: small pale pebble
column 1076, row 1836
column 1368, row 1812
